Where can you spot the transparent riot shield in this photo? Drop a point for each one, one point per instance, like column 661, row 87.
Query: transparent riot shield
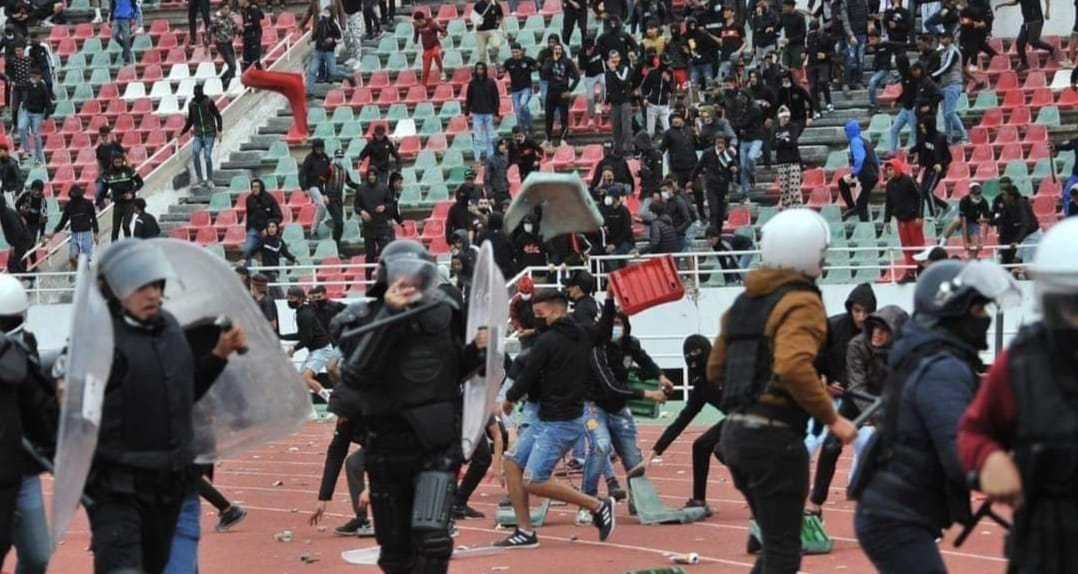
column 488, row 307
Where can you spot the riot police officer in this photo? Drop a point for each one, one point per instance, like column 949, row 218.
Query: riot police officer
column 143, row 463
column 770, row 389
column 1029, row 405
column 407, row 372
column 909, row 484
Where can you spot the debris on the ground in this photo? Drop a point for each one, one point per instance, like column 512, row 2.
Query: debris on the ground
column 498, row 568
column 278, row 483
column 294, row 510
column 307, row 559
column 664, row 414
column 321, row 528
column 284, row 536
column 681, row 472
column 293, row 449
column 574, row 538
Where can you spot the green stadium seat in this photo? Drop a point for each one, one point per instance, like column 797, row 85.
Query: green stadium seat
column 837, row 276
column 351, row 129
column 41, row 173
column 1016, row 169
column 833, row 214
column 220, row 201
column 426, row 160
column 324, row 131
column 398, row 62
column 388, row 46
column 454, row 157
column 100, row 60
column 217, row 249
column 240, row 183
column 423, row 111
column 437, row 193
column 1042, row 169
column 292, row 233
column 316, row 115
column 864, row 234
column 411, row 197
column 403, row 31
column 325, row 248
column 462, row 142
column 397, row 112
column 990, row 189
column 64, row 110
column 866, row 275
column 92, row 46
column 879, row 126
column 369, row 63
column 453, row 59
column 963, row 104
column 352, row 232
column 370, row 114
column 505, row 127
column 355, row 147
column 286, row 166
column 456, row 177
column 466, row 43
column 277, row 150
column 142, row 43
column 458, row 28
column 431, row 126
column 74, row 78
column 432, row 177
column 985, row 101
column 765, row 214
column 1049, row 116
column 837, row 159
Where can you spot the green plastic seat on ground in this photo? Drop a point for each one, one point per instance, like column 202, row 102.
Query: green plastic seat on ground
column 220, row 201
column 1016, row 169
column 1049, row 116
column 397, row 112
column 325, row 248
column 141, row 44
column 292, row 233
column 342, row 114
column 453, row 59
column 388, row 46
column 424, row 110
column 450, row 110
column 324, row 131
column 286, row 166
column 277, row 150
column 240, row 183
column 837, row 159
column 316, row 115
column 370, row 114
column 864, row 234
column 986, row 100
column 454, row 157
column 351, row 231
column 411, row 197
column 64, row 110
column 355, row 147
column 350, row 130
column 431, row 126
column 369, row 63
column 426, row 160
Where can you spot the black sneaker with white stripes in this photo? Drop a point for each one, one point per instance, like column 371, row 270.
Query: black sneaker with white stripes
column 603, row 519
column 519, row 539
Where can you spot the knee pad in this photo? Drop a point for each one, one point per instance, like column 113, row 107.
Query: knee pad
column 433, row 498
column 436, row 545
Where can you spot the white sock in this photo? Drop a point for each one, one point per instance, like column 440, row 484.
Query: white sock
column 526, row 532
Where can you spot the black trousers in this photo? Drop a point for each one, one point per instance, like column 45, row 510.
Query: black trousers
column 336, row 214
column 829, row 453
column 897, row 547
column 819, row 78
column 355, row 470
column 396, row 463
column 122, row 213
column 130, row 532
column 477, row 469
column 373, row 244
column 9, row 495
column 860, row 207
column 228, row 53
column 209, row 492
column 703, row 448
column 770, row 467
column 1030, row 35
column 716, row 205
column 556, row 103
column 929, row 180
column 194, row 8
column 370, row 18
column 252, row 53
column 388, row 10
column 573, row 18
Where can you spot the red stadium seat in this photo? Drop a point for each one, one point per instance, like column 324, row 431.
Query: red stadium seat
column 441, row 210
column 443, row 93
column 1020, row 117
column 819, row 197
column 298, row 199
column 1007, row 81
column 226, row 218
column 433, row 228
column 437, row 143
column 409, row 147
column 1044, row 205
column 438, row 245
column 1006, row 134
column 1010, row 152
column 234, row 237
column 1036, row 133
column 406, row 79
column 306, row 216
column 415, row 95
column 981, row 153
column 199, row 219
column 992, row 118
column 457, row 125
column 1013, row 99
column 1041, row 97
column 361, row 97
column 388, row 97
column 379, row 80
column 152, row 73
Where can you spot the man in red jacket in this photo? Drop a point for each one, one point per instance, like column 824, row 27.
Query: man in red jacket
column 1020, row 434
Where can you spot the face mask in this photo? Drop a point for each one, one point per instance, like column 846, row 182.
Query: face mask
column 786, row 84
column 608, row 200
column 294, row 304
column 526, row 296
column 462, row 198
column 617, row 333
column 528, row 228
column 973, row 331
column 666, row 195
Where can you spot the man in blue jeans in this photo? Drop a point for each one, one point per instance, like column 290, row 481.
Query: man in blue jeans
column 204, row 117
column 122, row 13
column 261, row 209
column 520, row 69
column 327, row 32
column 36, row 105
column 481, row 101
column 949, row 76
column 557, row 373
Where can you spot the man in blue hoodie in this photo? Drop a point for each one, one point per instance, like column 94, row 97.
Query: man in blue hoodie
column 910, row 485
column 864, row 175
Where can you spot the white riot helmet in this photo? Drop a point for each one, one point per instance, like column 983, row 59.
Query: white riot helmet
column 13, row 303
column 1055, row 274
column 795, row 239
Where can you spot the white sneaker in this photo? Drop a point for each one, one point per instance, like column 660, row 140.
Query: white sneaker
column 97, row 18
column 583, row 517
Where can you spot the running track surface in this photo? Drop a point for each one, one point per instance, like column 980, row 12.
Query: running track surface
column 279, row 483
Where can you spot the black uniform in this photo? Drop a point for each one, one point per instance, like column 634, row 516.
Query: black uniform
column 377, row 233
column 142, row 467
column 408, row 375
column 145, row 226
column 122, row 185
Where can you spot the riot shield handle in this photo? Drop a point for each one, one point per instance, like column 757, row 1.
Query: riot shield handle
column 224, row 323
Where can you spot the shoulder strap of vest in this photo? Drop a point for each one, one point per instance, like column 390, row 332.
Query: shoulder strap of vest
column 755, row 323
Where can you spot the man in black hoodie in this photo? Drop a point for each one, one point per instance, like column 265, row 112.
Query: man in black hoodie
column 17, row 236
column 326, row 35
column 313, row 175
column 556, row 375
column 38, row 105
column 11, row 180
column 614, row 161
column 122, row 183
column 680, row 143
column 203, row 115
column 309, row 335
column 831, row 364
column 373, row 203
column 562, row 78
column 481, row 101
column 718, row 165
column 261, row 209
column 618, row 91
column 657, row 89
column 145, row 225
column 934, row 157
column 83, row 217
column 380, row 150
column 524, row 153
column 617, row 224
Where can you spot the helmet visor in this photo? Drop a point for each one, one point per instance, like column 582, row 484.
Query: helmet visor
column 420, row 274
column 992, row 281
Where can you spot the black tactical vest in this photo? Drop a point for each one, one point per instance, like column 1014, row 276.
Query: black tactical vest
column 748, row 349
column 1046, row 451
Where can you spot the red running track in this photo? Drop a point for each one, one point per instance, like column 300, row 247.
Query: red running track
column 297, row 463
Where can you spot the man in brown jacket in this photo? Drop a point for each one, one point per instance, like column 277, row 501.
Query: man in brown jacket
column 763, row 360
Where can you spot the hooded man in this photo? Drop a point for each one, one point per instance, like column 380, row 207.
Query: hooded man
column 374, row 204
column 481, row 101
column 719, row 167
column 326, row 35
column 203, row 115
column 934, row 157
column 313, row 175
column 864, row 175
column 311, row 336
column 904, row 203
column 83, row 217
column 339, row 178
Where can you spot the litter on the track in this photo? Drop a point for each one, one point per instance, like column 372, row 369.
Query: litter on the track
column 284, row 536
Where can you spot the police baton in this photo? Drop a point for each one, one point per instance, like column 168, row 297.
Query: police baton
column 436, row 299
column 45, row 463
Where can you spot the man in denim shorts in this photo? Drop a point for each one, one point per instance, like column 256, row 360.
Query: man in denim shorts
column 557, row 374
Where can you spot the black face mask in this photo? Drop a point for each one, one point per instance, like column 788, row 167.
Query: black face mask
column 294, row 304
column 972, row 331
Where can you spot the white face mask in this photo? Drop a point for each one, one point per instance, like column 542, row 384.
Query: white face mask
column 608, row 200
column 526, row 296
column 528, row 228
column 617, row 333
column 666, row 195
